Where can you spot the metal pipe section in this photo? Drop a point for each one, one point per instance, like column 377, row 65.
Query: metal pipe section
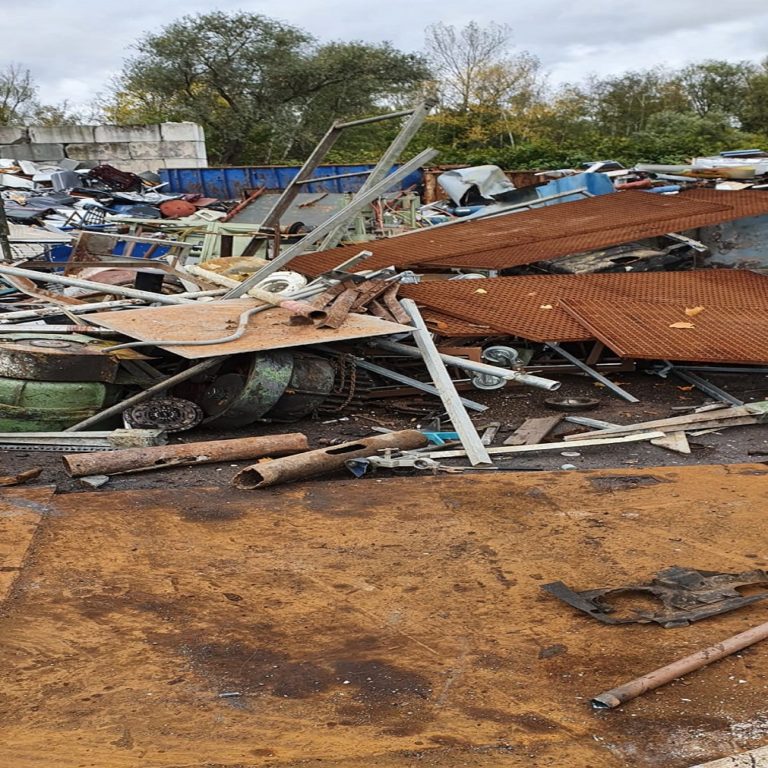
column 211, row 452
column 634, row 688
column 470, row 365
column 75, row 309
column 311, row 463
column 74, row 282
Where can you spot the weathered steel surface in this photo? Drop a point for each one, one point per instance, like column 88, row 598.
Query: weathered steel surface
column 529, row 306
column 210, row 452
column 547, row 233
column 389, row 624
column 217, row 319
column 21, row 511
column 52, row 357
column 650, row 331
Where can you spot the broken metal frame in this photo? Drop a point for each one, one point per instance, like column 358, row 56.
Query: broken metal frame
column 615, row 388
column 351, row 209
column 318, row 154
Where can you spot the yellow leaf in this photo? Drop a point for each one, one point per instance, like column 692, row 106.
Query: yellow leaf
column 481, row 290
column 693, row 311
column 546, row 306
column 682, row 325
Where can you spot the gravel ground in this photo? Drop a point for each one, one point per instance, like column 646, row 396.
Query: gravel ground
column 509, row 407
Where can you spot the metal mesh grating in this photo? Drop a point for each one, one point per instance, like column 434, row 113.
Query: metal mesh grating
column 635, row 329
column 513, row 305
column 547, row 233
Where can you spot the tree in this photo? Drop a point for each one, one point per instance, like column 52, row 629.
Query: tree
column 261, row 89
column 17, row 95
column 716, row 86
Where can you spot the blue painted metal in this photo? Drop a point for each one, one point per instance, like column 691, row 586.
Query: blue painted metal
column 229, row 183
column 595, row 184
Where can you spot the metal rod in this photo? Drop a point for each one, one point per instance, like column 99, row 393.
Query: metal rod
column 386, row 161
column 117, row 290
column 317, row 234
column 161, row 386
column 336, row 176
column 5, row 234
column 615, row 388
column 470, row 439
column 75, row 309
column 375, row 119
column 663, row 675
column 707, row 387
column 402, row 378
column 470, row 365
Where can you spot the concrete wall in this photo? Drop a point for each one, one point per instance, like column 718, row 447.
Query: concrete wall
column 131, row 148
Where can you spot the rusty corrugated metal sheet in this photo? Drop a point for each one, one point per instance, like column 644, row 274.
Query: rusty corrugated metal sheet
column 528, row 307
column 547, row 233
column 645, row 330
column 453, row 327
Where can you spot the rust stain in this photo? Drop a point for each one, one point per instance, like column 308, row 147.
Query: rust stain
column 345, row 641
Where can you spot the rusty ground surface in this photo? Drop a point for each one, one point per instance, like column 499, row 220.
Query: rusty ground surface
column 391, row 623
column 547, row 233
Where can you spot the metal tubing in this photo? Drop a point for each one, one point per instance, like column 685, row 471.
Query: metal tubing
column 615, row 388
column 707, row 387
column 471, row 365
column 470, row 439
column 410, row 382
column 75, row 309
column 304, row 465
column 139, row 459
column 317, row 234
column 161, row 386
column 5, row 234
column 634, row 688
column 116, row 290
column 374, row 119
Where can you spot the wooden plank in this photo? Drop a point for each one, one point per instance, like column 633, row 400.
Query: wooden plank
column 673, row 441
column 549, row 446
column 216, row 319
column 689, row 421
column 533, row 431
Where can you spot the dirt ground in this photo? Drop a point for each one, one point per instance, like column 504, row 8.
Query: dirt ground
column 509, row 407
column 393, row 623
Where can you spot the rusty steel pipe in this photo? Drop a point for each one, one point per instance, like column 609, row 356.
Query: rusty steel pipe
column 634, row 688
column 133, row 459
column 311, row 463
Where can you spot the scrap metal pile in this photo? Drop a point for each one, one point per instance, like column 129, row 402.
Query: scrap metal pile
column 161, row 331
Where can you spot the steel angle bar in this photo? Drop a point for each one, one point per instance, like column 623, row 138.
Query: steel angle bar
column 470, row 439
column 317, row 234
column 707, row 387
column 615, row 388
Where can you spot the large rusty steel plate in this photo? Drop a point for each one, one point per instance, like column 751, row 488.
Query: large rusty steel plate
column 546, row 233
column 397, row 623
column 652, row 331
column 207, row 321
column 528, row 307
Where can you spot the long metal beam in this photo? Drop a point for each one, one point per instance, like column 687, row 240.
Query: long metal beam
column 344, row 215
column 471, row 441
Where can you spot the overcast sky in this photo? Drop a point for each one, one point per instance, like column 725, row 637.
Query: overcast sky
column 73, row 48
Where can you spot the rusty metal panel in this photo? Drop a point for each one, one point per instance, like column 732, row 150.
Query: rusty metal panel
column 547, row 233
column 653, row 331
column 218, row 319
column 528, row 307
column 360, row 623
